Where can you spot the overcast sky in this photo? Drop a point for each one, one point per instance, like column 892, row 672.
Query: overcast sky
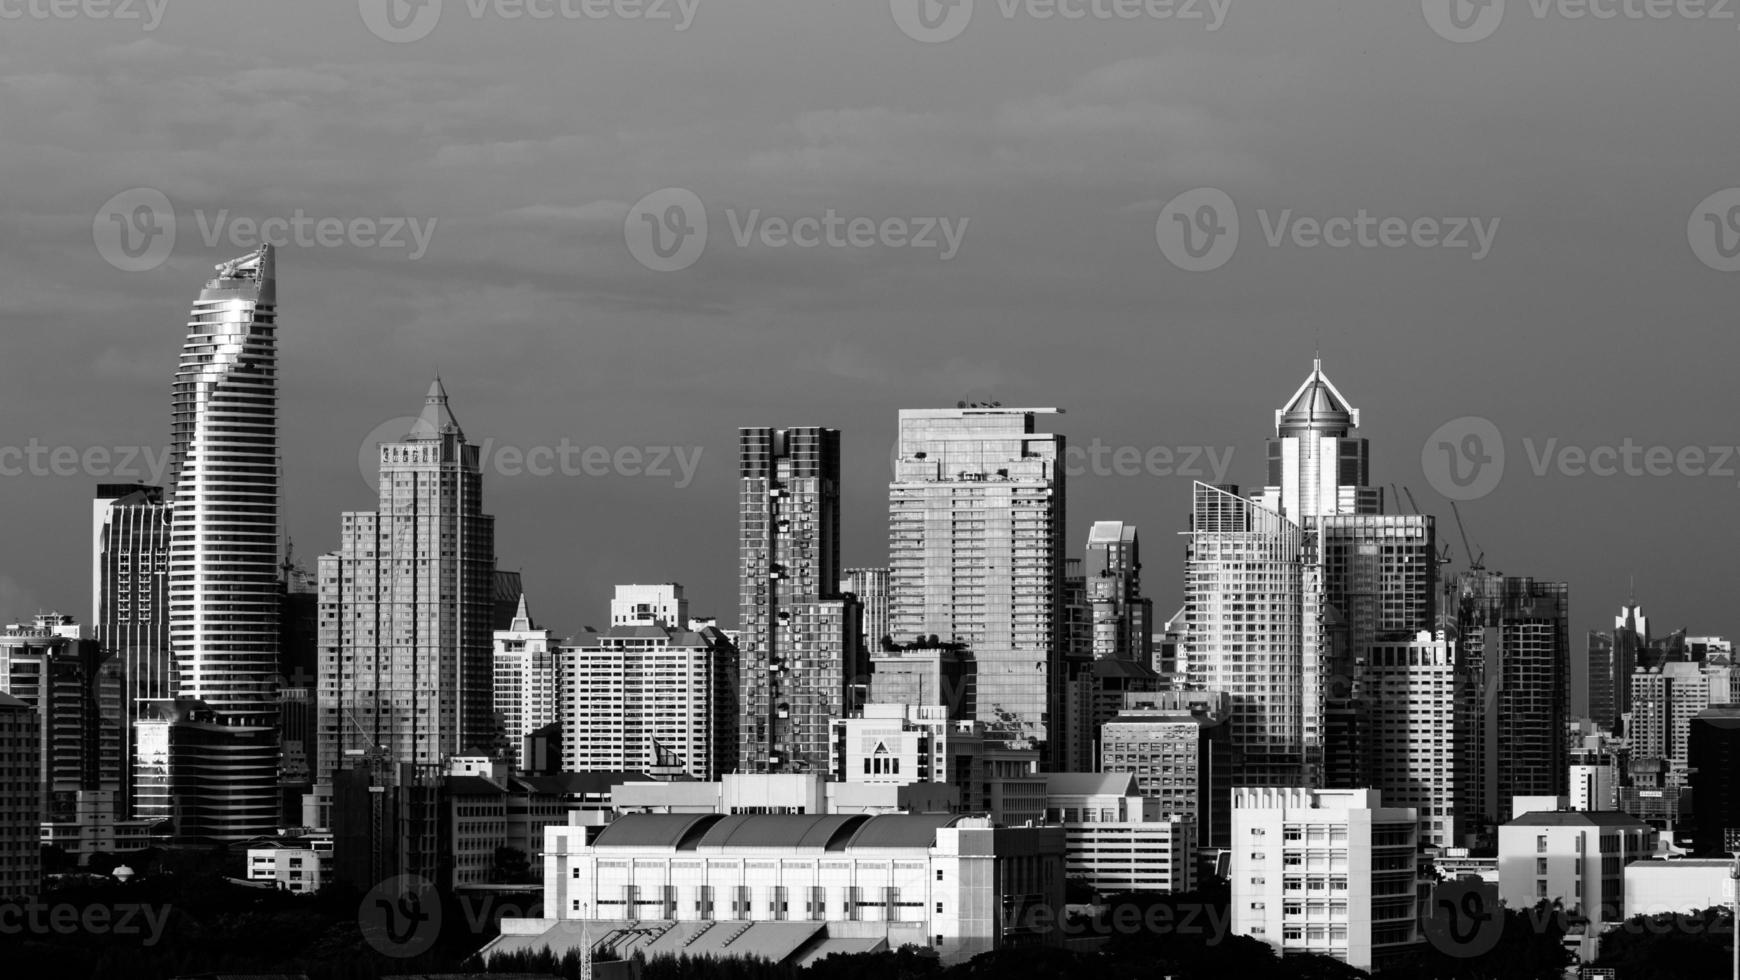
column 1589, row 317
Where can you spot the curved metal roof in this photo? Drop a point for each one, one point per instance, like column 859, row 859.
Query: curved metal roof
column 901, row 830
column 1316, row 407
column 653, row 829
column 780, row 830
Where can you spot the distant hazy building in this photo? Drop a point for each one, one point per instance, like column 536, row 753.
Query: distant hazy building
column 921, row 674
column 1611, row 659
column 798, row 643
column 76, row 689
column 870, row 585
column 406, row 607
column 223, row 559
column 649, row 698
column 650, row 605
column 976, row 554
column 1330, row 872
column 20, row 800
column 527, row 688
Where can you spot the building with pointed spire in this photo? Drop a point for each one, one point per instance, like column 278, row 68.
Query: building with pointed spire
column 527, row 682
column 223, row 559
column 406, row 608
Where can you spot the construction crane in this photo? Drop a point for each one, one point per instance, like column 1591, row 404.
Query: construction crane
column 1475, row 564
column 1411, row 504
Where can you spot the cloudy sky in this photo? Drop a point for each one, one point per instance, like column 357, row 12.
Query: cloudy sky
column 1587, row 149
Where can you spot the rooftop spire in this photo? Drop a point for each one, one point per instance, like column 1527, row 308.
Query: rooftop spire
column 1318, row 406
column 437, row 419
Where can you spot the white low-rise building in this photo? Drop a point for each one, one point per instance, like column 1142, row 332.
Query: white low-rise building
column 301, row 864
column 1574, row 857
column 1332, row 872
column 1655, row 886
column 959, row 884
column 1118, row 840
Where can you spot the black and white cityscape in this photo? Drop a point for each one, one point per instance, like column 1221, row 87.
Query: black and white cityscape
column 926, row 489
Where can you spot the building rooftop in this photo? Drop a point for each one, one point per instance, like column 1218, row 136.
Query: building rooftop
column 1317, row 406
column 833, row 832
column 1580, row 818
column 1090, row 784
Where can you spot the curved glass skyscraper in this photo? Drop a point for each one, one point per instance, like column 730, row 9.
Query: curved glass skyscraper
column 223, row 564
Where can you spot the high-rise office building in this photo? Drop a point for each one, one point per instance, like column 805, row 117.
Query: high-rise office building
column 223, row 561
column 1412, row 689
column 650, row 605
column 1122, row 618
column 1317, row 467
column 130, row 601
column 1713, row 748
column 870, row 585
column 298, row 664
column 527, row 682
column 1250, row 618
column 649, row 698
column 1513, row 638
column 21, row 810
column 1173, row 743
column 76, row 688
column 1611, row 659
column 406, row 608
column 975, row 542
column 799, row 663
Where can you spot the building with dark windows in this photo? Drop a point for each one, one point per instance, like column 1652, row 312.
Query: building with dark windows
column 20, row 800
column 77, row 690
column 798, row 650
column 130, row 601
column 1713, row 750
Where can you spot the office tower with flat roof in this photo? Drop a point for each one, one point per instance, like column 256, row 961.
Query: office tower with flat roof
column 21, row 809
column 650, row 698
column 798, row 654
column 1513, row 641
column 650, row 605
column 1713, row 750
column 976, row 556
column 1173, row 743
column 223, row 562
column 870, row 585
column 1412, row 688
column 406, row 608
column 130, row 600
column 527, row 682
column 77, row 690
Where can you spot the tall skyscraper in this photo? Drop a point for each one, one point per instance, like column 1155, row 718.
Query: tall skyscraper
column 527, row 681
column 1412, row 688
column 223, row 562
column 649, row 698
column 1250, row 621
column 1713, row 746
column 1317, row 467
column 870, row 585
column 1513, row 636
column 799, row 659
column 976, row 556
column 406, row 608
column 1611, row 659
column 130, row 602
